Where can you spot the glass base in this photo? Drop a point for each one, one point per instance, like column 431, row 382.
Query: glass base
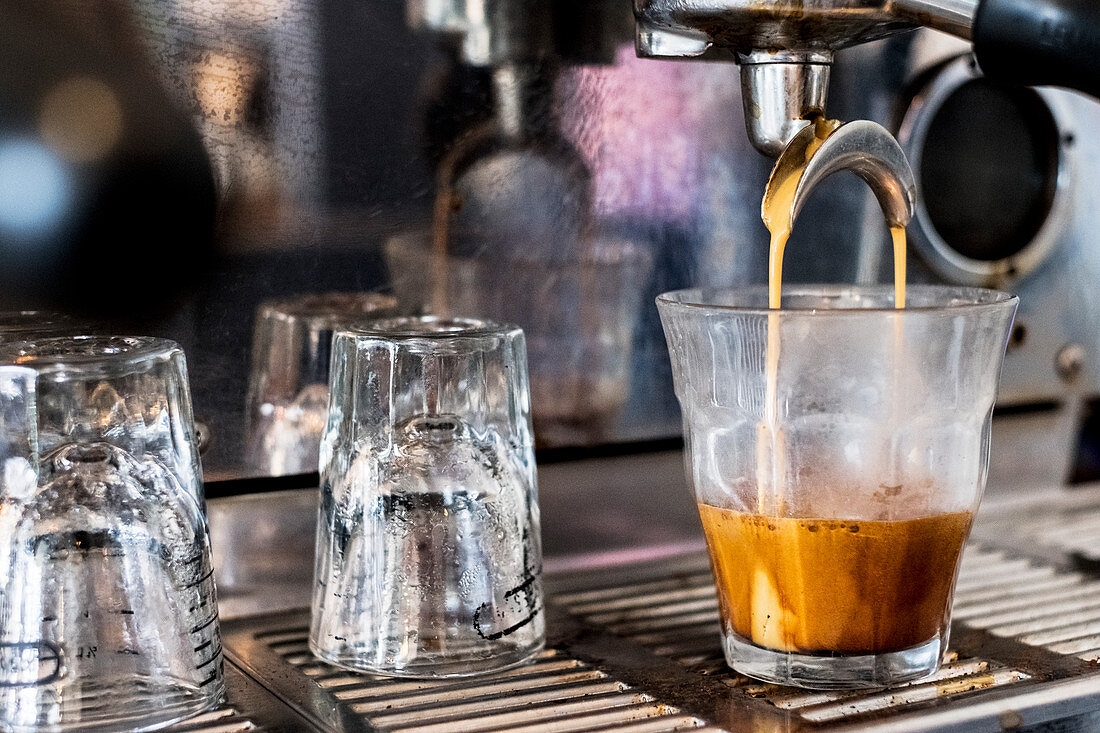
column 827, row 672
column 430, row 667
column 105, row 707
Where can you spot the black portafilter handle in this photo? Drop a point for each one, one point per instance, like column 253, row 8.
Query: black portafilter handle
column 1040, row 42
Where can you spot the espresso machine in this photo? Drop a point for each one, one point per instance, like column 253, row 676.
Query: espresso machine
column 786, row 51
column 963, row 119
column 319, row 136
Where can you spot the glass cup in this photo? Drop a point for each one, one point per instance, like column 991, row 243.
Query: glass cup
column 578, row 316
column 131, row 392
column 288, row 384
column 108, row 612
column 838, row 451
column 428, row 546
column 23, row 325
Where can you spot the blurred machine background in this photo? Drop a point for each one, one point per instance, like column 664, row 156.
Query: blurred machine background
column 167, row 165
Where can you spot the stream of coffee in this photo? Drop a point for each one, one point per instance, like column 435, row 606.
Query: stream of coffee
column 778, row 200
column 777, row 215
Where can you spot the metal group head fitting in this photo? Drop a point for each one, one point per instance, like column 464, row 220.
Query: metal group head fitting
column 785, row 47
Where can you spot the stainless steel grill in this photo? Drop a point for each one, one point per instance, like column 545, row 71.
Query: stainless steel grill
column 677, row 617
column 634, row 646
column 635, row 649
column 554, row 692
column 1033, row 604
column 1060, row 525
column 223, row 720
column 250, row 707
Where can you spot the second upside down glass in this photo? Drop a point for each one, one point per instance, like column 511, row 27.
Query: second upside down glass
column 838, row 451
column 428, row 546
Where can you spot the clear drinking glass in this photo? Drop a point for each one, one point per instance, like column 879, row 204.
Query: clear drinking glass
column 428, row 546
column 838, row 451
column 23, row 325
column 288, row 385
column 578, row 316
column 130, row 392
column 108, row 613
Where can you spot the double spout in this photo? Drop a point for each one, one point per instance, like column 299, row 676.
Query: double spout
column 861, row 147
column 786, row 47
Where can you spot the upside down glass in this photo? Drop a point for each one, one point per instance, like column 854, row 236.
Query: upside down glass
column 130, row 392
column 108, row 614
column 838, row 451
column 428, row 548
column 578, row 315
column 288, row 384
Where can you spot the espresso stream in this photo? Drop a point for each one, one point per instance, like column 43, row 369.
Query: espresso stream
column 821, row 585
column 776, row 213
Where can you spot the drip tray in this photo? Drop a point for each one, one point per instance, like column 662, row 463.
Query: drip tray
column 250, row 707
column 635, row 648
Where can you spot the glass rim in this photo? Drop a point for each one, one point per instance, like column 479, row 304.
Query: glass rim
column 973, row 298
column 429, row 328
column 609, row 251
column 116, row 355
column 330, row 309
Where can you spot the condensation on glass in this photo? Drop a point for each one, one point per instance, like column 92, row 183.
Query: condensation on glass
column 428, row 545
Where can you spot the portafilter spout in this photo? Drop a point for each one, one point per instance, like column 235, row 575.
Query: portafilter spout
column 862, row 147
column 781, row 92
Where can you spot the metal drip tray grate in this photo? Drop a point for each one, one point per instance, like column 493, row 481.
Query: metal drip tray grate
column 554, row 692
column 223, row 720
column 634, row 649
column 957, row 677
column 249, row 707
column 1021, row 603
column 1032, row 603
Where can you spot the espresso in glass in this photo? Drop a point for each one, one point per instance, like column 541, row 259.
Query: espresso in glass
column 849, row 586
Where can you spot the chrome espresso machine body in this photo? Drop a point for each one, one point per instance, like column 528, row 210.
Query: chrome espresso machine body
column 523, row 128
column 1004, row 173
column 979, row 145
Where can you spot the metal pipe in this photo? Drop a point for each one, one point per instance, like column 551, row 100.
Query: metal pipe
column 950, row 16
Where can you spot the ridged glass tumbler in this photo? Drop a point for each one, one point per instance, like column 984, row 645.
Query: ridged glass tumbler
column 428, row 546
column 838, row 451
column 288, row 384
column 108, row 613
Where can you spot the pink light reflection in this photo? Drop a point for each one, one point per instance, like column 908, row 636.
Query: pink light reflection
column 641, row 125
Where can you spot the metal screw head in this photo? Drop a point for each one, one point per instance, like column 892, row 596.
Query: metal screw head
column 1018, row 337
column 1069, row 362
column 202, row 436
